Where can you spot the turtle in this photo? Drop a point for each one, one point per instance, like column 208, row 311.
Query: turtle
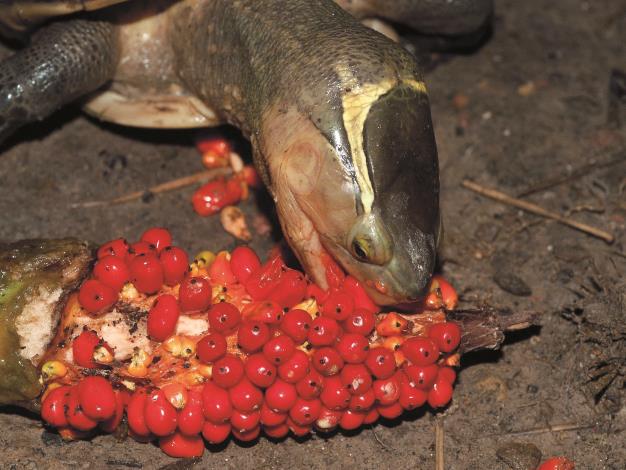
column 337, row 113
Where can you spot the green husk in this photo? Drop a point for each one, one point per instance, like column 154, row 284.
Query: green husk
column 25, row 268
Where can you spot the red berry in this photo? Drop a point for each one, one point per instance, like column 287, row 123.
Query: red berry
column 53, row 406
column 440, row 395
column 245, row 421
column 297, row 430
column 362, row 402
column 75, row 415
column 159, row 237
column 290, row 290
column 353, row 348
column 212, row 197
column 180, row 446
column 247, row 436
column 327, row 361
column 264, row 279
column 390, row 411
column 316, row 293
column 357, row 378
column 335, row 395
column 267, row 311
column 296, row 324
column 211, row 347
column 386, row 391
column 422, row 377
column 420, row 351
column 216, row 404
column 191, row 417
column 281, row 396
column 351, row 420
column 146, row 273
column 141, row 248
column 411, row 397
column 296, row 367
column 217, row 145
column 276, row 432
column 305, row 412
column 136, row 415
column 194, row 294
column 324, row 331
column 96, row 397
column 381, row 362
column 175, row 264
column 219, row 270
column 260, row 371
column 224, row 317
column 111, row 424
column 372, row 416
column 227, row 371
column 112, row 271
column 338, row 306
column 252, row 335
column 448, row 374
column 95, row 296
column 360, row 321
column 446, row 335
column 270, row 417
column 311, row 385
column 243, row 262
column 83, row 348
column 557, row 463
column 279, row 349
column 215, row 433
column 245, row 397
column 361, row 300
column 392, row 325
column 118, row 247
column 163, row 317
column 328, row 419
column 160, row 415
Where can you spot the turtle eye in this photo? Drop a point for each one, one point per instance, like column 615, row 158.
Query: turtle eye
column 369, row 242
column 360, row 249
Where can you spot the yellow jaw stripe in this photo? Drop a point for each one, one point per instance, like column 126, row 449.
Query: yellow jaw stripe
column 356, row 106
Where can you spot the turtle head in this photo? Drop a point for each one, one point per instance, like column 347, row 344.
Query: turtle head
column 365, row 188
column 392, row 240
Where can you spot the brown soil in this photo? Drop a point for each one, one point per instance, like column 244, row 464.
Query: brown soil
column 532, row 105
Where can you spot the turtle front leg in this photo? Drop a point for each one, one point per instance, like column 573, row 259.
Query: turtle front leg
column 65, row 61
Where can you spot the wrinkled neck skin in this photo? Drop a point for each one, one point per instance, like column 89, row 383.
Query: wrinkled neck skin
column 300, row 91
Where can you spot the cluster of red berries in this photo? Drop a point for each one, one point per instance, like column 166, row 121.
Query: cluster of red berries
column 148, row 265
column 279, row 361
column 213, row 196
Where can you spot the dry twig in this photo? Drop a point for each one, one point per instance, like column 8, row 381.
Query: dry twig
column 171, row 185
column 439, row 463
column 555, row 428
column 538, row 210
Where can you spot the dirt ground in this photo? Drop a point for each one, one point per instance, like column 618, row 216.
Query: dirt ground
column 531, row 106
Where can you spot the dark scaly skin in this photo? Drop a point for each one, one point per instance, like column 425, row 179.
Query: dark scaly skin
column 27, row 267
column 65, row 61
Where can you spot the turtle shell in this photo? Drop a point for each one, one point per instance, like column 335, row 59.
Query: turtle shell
column 19, row 16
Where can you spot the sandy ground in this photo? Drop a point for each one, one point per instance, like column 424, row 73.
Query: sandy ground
column 532, row 105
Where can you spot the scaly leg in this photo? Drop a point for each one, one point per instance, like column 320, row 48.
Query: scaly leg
column 65, row 61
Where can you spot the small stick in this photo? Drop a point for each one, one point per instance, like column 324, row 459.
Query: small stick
column 538, row 210
column 160, row 188
column 579, row 172
column 439, row 464
column 555, row 428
